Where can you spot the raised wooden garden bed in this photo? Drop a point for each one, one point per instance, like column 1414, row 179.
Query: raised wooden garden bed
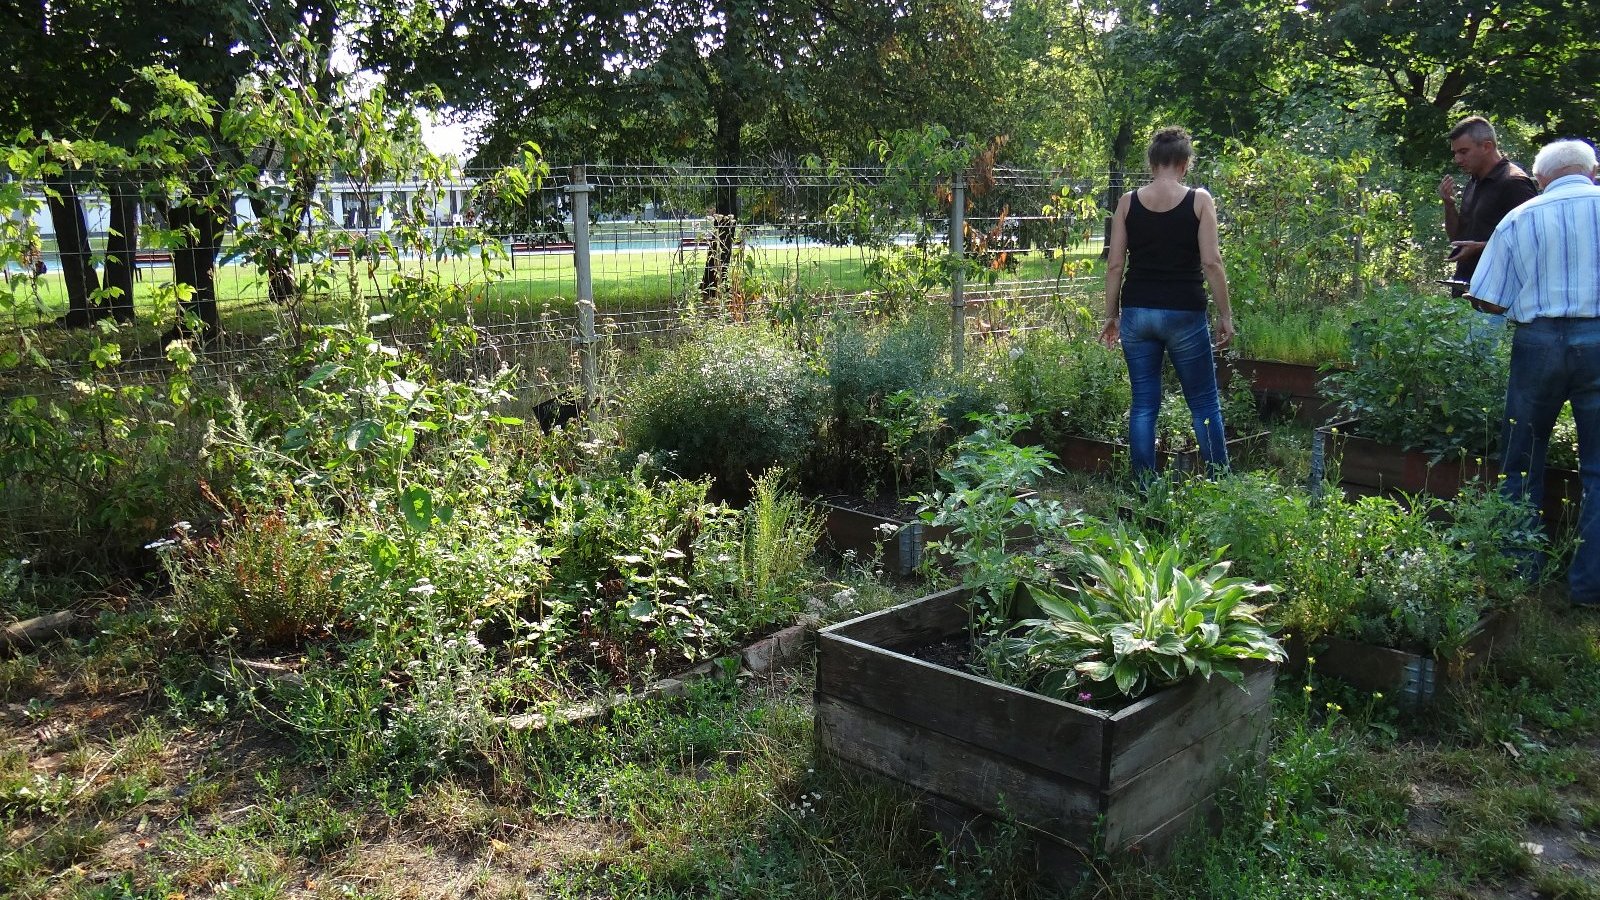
column 1281, row 389
column 903, row 538
column 1135, row 777
column 1368, row 467
column 1082, row 454
column 1413, row 679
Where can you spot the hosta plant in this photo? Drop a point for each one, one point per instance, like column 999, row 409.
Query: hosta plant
column 1137, row 621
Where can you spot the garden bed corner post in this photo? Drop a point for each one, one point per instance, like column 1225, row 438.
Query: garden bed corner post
column 579, row 188
column 958, row 277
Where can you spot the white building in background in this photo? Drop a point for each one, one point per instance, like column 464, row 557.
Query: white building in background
column 347, row 205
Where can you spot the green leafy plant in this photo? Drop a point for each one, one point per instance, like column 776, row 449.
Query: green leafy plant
column 981, row 506
column 1419, row 377
column 896, row 402
column 1136, row 622
column 1068, row 382
column 730, row 403
column 912, row 427
column 265, row 582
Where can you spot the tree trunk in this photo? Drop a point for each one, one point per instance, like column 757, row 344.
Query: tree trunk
column 278, row 260
column 1119, row 151
column 77, row 259
column 730, row 124
column 195, row 263
column 122, row 247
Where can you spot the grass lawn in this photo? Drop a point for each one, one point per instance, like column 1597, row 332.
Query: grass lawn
column 508, row 289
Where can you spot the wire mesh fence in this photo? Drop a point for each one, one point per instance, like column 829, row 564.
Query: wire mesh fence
column 650, row 255
column 604, row 259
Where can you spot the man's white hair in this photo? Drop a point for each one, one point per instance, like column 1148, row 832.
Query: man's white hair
column 1559, row 155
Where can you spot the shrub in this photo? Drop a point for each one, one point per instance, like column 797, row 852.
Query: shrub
column 896, row 402
column 1069, row 382
column 264, row 582
column 1419, row 377
column 731, row 403
column 1417, row 576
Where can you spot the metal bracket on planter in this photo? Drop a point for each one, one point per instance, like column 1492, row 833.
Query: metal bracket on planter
column 1421, row 681
column 911, row 540
column 1319, row 465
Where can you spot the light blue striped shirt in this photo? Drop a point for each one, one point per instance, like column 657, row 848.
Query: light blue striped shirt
column 1544, row 257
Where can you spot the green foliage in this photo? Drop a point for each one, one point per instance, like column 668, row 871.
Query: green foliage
column 1420, row 378
column 1311, row 337
column 104, row 456
column 638, row 561
column 1137, row 622
column 1250, row 513
column 894, row 396
column 1303, row 234
column 730, row 403
column 781, row 531
column 265, row 582
column 1069, row 382
column 987, row 518
column 1375, row 570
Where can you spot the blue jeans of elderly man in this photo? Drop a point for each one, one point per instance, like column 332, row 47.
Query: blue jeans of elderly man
column 1543, row 266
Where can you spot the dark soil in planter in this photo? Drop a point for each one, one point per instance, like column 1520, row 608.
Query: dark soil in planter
column 957, row 653
column 951, row 653
column 886, row 508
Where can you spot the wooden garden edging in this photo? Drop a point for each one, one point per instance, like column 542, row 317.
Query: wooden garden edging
column 1413, row 679
column 1082, row 454
column 903, row 540
column 1368, row 467
column 1281, row 386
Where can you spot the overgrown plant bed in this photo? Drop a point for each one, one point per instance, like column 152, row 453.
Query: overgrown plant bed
column 1084, row 454
column 1368, row 467
column 1412, row 678
column 1131, row 778
column 1281, row 389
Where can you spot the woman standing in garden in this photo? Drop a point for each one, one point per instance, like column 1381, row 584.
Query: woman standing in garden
column 1165, row 236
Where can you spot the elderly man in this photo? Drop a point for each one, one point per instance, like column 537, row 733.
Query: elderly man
column 1543, row 266
column 1497, row 186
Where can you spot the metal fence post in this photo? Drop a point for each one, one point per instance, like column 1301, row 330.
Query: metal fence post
column 958, row 279
column 579, row 188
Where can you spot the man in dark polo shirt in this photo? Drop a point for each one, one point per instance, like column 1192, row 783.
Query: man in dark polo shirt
column 1497, row 186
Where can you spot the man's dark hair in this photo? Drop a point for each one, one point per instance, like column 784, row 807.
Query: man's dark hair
column 1169, row 147
column 1475, row 127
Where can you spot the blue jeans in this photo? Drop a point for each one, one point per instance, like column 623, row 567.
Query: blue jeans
column 1554, row 361
column 1184, row 336
column 1488, row 326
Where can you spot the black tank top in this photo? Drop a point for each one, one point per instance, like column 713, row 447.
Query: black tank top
column 1164, row 257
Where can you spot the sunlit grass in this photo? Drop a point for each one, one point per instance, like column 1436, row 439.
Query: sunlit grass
column 507, row 289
